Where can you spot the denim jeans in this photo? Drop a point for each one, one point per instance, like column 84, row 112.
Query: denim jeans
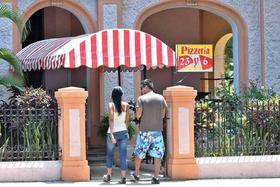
column 122, row 141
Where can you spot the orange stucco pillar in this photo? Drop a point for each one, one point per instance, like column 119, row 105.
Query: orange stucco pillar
column 71, row 128
column 181, row 162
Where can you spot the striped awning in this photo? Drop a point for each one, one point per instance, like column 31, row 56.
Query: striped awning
column 111, row 48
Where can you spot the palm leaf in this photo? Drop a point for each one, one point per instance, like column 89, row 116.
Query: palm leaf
column 14, row 16
column 10, row 80
column 9, row 57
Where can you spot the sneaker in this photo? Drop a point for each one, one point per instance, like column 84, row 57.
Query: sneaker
column 155, row 180
column 106, row 178
column 122, row 181
column 134, row 177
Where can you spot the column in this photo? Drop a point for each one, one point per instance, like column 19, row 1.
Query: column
column 71, row 128
column 181, row 162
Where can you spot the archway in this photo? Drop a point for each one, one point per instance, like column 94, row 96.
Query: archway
column 219, row 57
column 54, row 22
column 236, row 22
column 88, row 24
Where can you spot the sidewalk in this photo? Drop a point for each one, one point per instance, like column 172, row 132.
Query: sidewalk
column 98, row 171
column 191, row 183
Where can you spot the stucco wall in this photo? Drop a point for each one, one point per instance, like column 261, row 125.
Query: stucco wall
column 110, row 78
column 91, row 6
column 272, row 43
column 250, row 11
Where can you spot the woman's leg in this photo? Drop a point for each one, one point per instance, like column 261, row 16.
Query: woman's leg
column 109, row 155
column 122, row 144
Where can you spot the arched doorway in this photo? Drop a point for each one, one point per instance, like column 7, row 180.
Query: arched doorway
column 223, row 59
column 54, row 22
column 173, row 27
column 72, row 19
column 201, row 17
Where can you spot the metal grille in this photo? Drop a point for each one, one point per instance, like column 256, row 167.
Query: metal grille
column 28, row 134
column 236, row 129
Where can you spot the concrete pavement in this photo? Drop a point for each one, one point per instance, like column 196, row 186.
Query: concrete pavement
column 98, row 171
column 190, row 183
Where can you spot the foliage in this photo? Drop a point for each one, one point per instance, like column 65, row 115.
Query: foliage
column 38, row 136
column 244, row 124
column 29, row 98
column 9, row 80
column 17, row 79
column 32, row 133
column 104, row 125
column 229, row 59
column 34, row 97
column 15, row 17
column 28, row 125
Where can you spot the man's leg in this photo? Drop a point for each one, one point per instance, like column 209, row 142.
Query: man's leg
column 137, row 163
column 139, row 152
column 157, row 167
column 157, row 151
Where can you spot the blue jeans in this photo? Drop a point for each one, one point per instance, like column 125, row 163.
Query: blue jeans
column 122, row 141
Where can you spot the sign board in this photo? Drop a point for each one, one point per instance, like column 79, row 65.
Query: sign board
column 194, row 58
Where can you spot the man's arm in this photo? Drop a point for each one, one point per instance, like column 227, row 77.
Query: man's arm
column 163, row 111
column 139, row 111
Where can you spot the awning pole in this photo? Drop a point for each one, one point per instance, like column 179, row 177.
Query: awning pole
column 119, row 76
column 145, row 72
column 68, row 72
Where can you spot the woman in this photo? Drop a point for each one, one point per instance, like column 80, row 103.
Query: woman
column 117, row 134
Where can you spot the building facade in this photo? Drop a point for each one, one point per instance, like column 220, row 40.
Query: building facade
column 253, row 26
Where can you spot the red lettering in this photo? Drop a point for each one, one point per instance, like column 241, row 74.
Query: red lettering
column 184, row 49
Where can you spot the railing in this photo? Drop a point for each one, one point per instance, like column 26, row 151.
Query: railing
column 28, row 134
column 236, row 129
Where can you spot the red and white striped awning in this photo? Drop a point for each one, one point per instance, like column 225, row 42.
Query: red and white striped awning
column 111, row 48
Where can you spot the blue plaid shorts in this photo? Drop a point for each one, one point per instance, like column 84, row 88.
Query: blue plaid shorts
column 151, row 142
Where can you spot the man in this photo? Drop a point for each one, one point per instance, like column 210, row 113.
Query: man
column 150, row 109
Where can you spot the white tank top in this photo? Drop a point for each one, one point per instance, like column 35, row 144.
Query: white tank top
column 119, row 120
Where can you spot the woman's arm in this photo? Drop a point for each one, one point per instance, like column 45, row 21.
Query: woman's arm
column 111, row 122
column 127, row 119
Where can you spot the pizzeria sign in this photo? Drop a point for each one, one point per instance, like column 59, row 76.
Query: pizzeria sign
column 194, row 58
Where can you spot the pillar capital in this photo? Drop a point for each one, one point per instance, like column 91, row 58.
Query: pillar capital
column 66, row 95
column 180, row 93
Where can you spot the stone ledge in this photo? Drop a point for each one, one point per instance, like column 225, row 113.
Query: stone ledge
column 239, row 167
column 30, row 171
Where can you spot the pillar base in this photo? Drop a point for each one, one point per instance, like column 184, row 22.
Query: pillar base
column 182, row 169
column 75, row 172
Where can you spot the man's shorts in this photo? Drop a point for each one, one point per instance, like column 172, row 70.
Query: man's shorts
column 151, row 142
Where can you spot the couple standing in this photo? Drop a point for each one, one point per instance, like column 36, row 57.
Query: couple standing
column 150, row 110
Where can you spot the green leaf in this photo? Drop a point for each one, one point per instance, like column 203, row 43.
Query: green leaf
column 9, row 80
column 15, row 17
column 11, row 58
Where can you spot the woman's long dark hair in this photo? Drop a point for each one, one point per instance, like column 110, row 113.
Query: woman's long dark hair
column 117, row 98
